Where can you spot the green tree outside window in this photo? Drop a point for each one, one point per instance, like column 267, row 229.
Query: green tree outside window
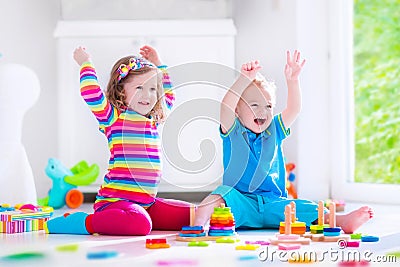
column 377, row 90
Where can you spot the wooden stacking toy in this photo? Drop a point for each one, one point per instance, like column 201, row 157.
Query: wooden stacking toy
column 287, row 237
column 298, row 228
column 323, row 232
column 222, row 224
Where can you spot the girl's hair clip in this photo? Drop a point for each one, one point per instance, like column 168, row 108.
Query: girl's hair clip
column 135, row 63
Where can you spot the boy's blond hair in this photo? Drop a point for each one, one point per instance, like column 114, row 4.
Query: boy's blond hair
column 261, row 82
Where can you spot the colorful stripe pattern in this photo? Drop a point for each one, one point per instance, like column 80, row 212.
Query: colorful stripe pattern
column 19, row 221
column 134, row 168
column 168, row 93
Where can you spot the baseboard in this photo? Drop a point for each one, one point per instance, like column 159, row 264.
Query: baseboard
column 192, row 197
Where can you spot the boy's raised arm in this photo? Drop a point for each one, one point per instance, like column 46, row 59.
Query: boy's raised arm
column 292, row 72
column 229, row 102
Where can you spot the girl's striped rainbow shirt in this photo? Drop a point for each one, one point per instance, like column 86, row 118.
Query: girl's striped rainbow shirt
column 134, row 168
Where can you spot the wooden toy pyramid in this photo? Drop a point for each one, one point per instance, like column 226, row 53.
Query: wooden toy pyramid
column 326, row 232
column 287, row 237
column 222, row 222
column 296, row 227
column 222, row 225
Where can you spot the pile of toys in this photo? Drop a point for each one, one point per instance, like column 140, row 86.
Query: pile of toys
column 23, row 218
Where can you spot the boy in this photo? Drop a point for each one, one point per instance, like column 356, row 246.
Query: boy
column 254, row 168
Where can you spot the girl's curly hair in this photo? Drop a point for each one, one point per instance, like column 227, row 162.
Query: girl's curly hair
column 116, row 94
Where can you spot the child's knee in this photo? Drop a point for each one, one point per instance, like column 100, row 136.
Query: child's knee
column 213, row 201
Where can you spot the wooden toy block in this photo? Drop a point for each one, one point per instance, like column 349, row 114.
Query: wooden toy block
column 356, row 236
column 260, row 242
column 200, row 238
column 300, row 240
column 369, row 238
column 193, row 228
column 289, row 246
column 288, row 237
column 198, row 244
column 192, row 235
column 323, row 232
column 352, row 244
column 247, row 247
column 97, row 255
column 301, row 259
column 227, row 240
column 157, row 243
column 354, row 263
column 295, row 230
column 322, row 238
column 396, row 254
column 296, row 226
column 192, row 214
column 332, row 231
column 318, row 229
column 156, row 246
column 320, row 212
column 192, row 231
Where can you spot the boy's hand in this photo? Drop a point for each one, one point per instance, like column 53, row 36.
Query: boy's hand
column 293, row 66
column 250, row 69
column 150, row 54
column 81, row 56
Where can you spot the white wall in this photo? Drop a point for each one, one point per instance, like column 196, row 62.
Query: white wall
column 314, row 126
column 26, row 37
column 265, row 30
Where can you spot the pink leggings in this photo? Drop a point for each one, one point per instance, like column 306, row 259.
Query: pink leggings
column 126, row 218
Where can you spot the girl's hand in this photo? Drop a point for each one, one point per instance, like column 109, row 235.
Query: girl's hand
column 150, row 54
column 250, row 69
column 81, row 56
column 293, row 66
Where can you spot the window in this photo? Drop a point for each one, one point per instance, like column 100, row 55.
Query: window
column 376, row 91
column 364, row 63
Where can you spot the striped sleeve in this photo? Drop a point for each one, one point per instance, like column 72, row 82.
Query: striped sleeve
column 168, row 92
column 91, row 92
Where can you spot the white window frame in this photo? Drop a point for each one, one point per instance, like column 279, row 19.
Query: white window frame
column 341, row 114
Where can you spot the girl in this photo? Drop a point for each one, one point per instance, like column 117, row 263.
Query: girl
column 128, row 115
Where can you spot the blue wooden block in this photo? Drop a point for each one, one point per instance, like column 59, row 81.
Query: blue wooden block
column 331, row 233
column 101, row 254
column 332, row 229
column 192, row 228
column 192, row 235
column 369, row 238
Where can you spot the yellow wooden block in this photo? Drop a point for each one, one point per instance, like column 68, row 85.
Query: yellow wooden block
column 247, row 247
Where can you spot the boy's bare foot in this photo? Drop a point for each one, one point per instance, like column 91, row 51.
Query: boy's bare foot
column 353, row 220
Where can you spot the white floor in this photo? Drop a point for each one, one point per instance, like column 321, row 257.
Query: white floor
column 131, row 251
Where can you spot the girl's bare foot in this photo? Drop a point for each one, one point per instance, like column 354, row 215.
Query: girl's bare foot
column 353, row 220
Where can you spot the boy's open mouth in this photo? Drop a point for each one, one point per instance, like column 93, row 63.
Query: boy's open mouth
column 259, row 121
